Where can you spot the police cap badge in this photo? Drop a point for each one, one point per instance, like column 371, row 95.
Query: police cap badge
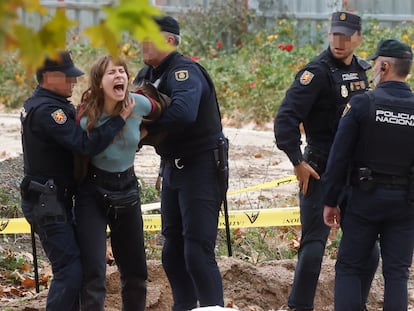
column 345, row 23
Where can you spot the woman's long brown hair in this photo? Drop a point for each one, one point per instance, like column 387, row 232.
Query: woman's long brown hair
column 93, row 97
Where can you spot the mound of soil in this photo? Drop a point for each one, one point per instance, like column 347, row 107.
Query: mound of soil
column 254, row 159
column 247, row 287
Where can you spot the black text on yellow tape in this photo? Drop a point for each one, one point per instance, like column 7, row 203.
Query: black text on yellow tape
column 269, row 217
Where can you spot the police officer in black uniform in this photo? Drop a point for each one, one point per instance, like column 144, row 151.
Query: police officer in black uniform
column 191, row 196
column 316, row 99
column 376, row 137
column 50, row 136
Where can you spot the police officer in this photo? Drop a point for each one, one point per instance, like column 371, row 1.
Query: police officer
column 375, row 136
column 50, row 136
column 316, row 99
column 190, row 199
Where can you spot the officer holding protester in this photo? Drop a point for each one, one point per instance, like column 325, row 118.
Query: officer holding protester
column 191, row 194
column 50, row 136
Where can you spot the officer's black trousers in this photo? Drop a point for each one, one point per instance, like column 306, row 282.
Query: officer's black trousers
column 190, row 207
column 60, row 245
column 384, row 213
column 311, row 252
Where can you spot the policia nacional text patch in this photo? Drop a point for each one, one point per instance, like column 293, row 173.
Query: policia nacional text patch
column 59, row 116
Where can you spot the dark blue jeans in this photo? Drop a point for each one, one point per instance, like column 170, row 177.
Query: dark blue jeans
column 311, row 251
column 189, row 209
column 384, row 213
column 60, row 245
column 127, row 241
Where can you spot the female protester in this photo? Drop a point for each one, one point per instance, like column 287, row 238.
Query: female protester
column 109, row 193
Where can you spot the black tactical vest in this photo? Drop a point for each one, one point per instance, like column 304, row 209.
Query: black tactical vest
column 387, row 138
column 204, row 133
column 44, row 157
column 345, row 82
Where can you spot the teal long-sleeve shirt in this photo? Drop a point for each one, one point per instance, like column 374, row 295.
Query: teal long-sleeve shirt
column 120, row 154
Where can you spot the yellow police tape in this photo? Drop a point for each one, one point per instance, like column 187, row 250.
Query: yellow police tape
column 269, row 217
column 269, row 184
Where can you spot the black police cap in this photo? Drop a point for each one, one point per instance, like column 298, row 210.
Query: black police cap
column 345, row 23
column 63, row 63
column 392, row 48
column 168, row 24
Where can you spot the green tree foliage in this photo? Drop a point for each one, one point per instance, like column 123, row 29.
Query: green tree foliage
column 133, row 17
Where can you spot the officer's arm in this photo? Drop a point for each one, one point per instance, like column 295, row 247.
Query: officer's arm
column 64, row 130
column 187, row 91
column 343, row 149
column 303, row 94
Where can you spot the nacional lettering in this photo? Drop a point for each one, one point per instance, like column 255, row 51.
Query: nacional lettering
column 398, row 118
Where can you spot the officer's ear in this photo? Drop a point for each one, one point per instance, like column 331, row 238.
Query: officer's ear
column 170, row 39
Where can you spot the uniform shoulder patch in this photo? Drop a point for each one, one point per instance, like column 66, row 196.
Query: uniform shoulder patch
column 306, row 77
column 59, row 116
column 346, row 109
column 181, row 75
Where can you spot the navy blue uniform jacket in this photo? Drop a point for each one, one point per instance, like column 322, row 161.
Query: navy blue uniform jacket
column 193, row 120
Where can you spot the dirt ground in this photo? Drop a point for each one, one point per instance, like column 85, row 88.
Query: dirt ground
column 254, row 160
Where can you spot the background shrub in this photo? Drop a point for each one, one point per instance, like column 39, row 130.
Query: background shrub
column 251, row 65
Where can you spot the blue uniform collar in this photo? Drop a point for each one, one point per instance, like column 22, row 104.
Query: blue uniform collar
column 396, row 86
column 157, row 72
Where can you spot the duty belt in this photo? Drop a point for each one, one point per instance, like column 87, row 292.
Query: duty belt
column 390, row 180
column 365, row 178
column 177, row 163
column 181, row 162
column 315, row 158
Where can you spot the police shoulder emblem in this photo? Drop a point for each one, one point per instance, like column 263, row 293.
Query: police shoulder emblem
column 59, row 116
column 346, row 109
column 306, row 77
column 181, row 75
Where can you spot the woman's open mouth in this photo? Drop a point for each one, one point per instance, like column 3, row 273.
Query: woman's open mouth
column 119, row 89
